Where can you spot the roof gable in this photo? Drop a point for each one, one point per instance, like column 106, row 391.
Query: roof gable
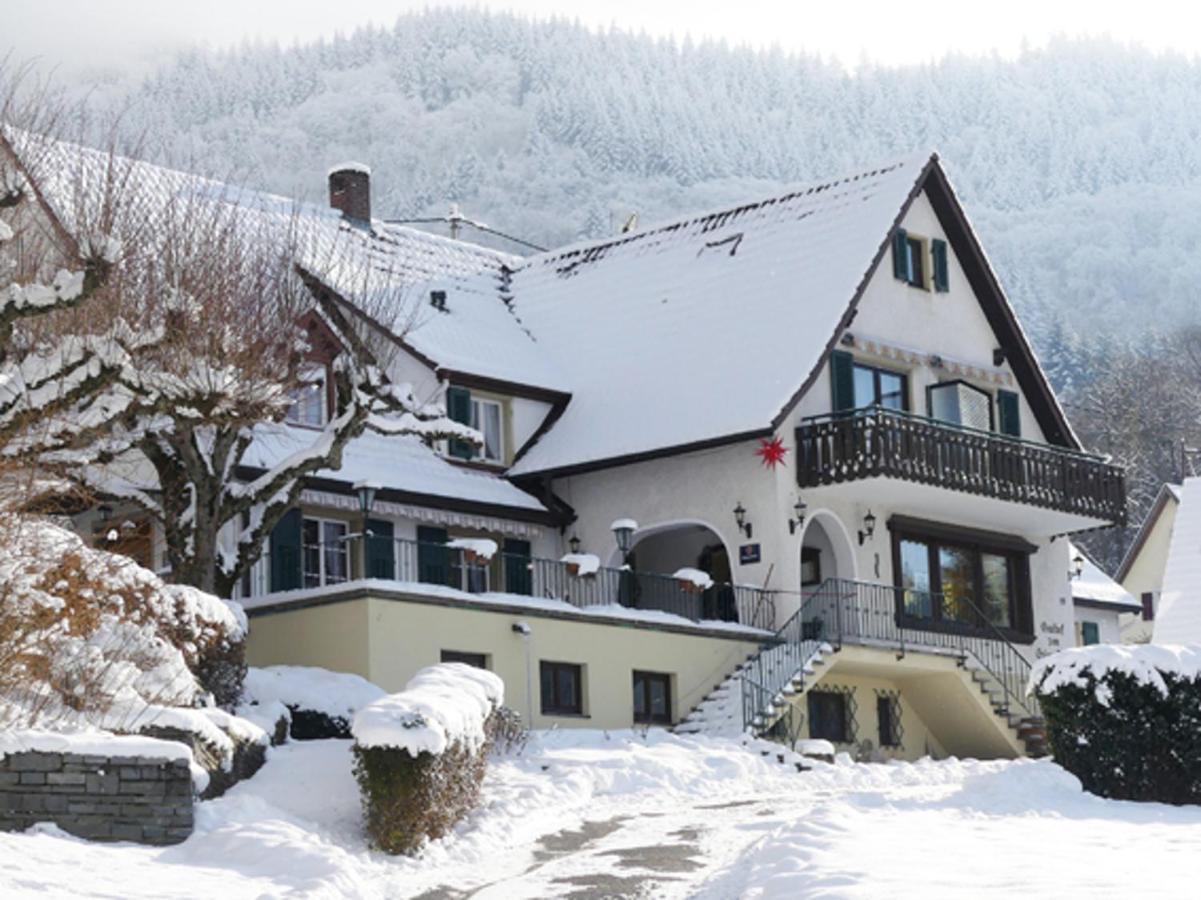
column 1178, row 617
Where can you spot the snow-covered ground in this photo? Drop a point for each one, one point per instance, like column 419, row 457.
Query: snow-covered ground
column 584, row 814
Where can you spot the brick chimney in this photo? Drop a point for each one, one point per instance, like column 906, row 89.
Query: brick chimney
column 350, row 190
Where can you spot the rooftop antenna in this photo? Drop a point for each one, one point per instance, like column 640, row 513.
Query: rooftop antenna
column 457, row 221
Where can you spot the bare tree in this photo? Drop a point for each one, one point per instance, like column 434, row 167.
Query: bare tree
column 225, row 283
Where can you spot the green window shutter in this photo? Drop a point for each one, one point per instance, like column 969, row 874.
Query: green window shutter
column 1090, row 633
column 285, row 552
column 433, row 560
column 518, row 579
column 381, row 552
column 900, row 254
column 842, row 381
column 1009, row 413
column 458, row 409
column 942, row 280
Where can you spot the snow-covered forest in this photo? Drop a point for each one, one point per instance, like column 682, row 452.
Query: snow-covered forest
column 1080, row 163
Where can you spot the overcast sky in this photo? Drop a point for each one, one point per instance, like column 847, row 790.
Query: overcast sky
column 134, row 33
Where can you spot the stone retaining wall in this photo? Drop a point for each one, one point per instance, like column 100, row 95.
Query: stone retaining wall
column 104, row 798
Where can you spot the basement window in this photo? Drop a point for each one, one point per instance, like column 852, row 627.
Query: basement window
column 828, row 717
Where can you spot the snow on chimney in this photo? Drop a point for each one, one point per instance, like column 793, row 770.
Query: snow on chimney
column 350, row 190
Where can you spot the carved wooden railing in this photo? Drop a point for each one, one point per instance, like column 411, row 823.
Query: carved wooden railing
column 874, row 442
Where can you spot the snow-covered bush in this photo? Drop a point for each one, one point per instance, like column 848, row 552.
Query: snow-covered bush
column 320, row 703
column 1126, row 720
column 90, row 638
column 420, row 755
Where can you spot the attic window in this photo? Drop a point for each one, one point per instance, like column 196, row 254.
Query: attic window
column 438, row 300
column 920, row 262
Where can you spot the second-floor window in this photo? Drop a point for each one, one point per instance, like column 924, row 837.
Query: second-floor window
column 880, row 387
column 484, row 415
column 486, row 419
column 326, row 556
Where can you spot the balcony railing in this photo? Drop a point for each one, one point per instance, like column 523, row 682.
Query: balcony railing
column 875, row 442
column 398, row 559
column 842, row 612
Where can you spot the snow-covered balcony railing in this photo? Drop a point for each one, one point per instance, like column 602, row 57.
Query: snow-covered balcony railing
column 875, row 442
column 580, row 581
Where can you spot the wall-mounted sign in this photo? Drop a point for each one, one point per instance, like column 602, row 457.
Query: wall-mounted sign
column 748, row 553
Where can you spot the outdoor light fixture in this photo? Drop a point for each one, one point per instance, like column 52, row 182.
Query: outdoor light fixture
column 366, row 491
column 574, row 543
column 1077, row 567
column 869, row 527
column 799, row 509
column 740, row 517
column 623, row 533
column 106, row 512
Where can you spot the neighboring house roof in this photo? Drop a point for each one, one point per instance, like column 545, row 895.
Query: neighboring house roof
column 1168, row 493
column 1093, row 588
column 400, row 464
column 1178, row 617
column 387, row 270
column 708, row 328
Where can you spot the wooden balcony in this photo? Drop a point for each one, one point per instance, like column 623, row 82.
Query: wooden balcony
column 881, row 443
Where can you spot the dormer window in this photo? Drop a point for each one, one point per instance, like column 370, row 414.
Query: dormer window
column 309, row 399
column 920, row 262
column 486, row 416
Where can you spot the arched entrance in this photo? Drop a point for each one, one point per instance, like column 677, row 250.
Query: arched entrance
column 826, row 551
column 657, row 553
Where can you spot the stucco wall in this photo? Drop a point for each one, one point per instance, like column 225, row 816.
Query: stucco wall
column 333, row 637
column 388, row 640
column 1146, row 572
column 1109, row 629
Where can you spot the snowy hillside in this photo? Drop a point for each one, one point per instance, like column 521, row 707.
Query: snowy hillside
column 1080, row 164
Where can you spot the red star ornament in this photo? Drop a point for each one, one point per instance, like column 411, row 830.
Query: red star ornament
column 771, row 451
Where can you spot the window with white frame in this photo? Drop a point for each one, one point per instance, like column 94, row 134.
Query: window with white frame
column 326, row 554
column 486, row 418
column 308, row 399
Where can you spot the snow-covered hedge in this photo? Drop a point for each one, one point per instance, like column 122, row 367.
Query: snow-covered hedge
column 92, row 639
column 420, row 755
column 321, row 703
column 1126, row 720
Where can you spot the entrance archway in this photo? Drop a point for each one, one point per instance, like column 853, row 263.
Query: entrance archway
column 826, row 551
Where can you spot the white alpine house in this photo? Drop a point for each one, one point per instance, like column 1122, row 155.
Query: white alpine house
column 789, row 467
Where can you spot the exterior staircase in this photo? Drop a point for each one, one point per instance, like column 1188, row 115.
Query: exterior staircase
column 760, row 691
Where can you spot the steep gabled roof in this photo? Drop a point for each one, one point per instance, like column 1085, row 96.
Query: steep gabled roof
column 1168, row 493
column 1178, row 616
column 708, row 329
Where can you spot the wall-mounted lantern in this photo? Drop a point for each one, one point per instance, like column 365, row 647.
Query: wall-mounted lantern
column 1077, row 567
column 869, row 528
column 574, row 543
column 798, row 510
column 740, row 517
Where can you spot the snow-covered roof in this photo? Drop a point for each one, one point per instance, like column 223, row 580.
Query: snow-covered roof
column 705, row 326
column 1095, row 586
column 1178, row 618
column 397, row 463
column 387, row 269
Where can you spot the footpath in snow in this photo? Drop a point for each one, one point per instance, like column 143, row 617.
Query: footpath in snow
column 584, row 814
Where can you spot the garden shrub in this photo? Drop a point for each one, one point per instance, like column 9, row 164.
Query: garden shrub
column 1126, row 721
column 421, row 754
